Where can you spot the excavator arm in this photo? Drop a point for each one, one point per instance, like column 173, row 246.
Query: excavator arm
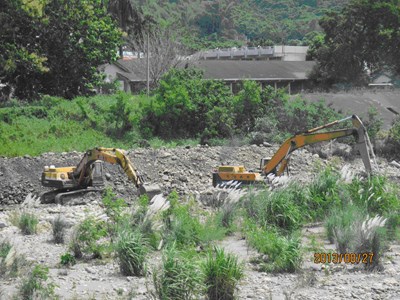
column 110, row 155
column 312, row 136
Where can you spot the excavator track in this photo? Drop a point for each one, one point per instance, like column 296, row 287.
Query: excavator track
column 65, row 196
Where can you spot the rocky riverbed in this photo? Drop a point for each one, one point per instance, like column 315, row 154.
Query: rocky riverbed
column 188, row 171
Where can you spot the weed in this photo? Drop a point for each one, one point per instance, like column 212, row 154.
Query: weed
column 131, row 250
column 182, row 227
column 114, row 206
column 11, row 263
column 222, row 273
column 178, row 279
column 283, row 252
column 89, row 238
column 5, row 248
column 355, row 232
column 340, row 225
column 28, row 223
column 275, row 208
column 370, row 238
column 376, row 194
column 34, row 286
column 212, row 229
column 67, row 259
column 59, row 226
column 324, row 193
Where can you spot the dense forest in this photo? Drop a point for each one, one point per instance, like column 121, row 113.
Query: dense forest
column 223, row 23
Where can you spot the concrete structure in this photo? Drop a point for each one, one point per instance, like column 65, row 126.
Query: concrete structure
column 282, row 52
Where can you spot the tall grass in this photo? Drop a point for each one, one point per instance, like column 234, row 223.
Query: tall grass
column 283, row 252
column 28, row 223
column 59, row 225
column 131, row 250
column 178, row 278
column 222, row 272
column 36, row 285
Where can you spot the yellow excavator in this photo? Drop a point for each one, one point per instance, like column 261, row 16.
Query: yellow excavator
column 279, row 162
column 87, row 176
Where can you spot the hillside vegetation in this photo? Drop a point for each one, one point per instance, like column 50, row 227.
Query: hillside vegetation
column 225, row 23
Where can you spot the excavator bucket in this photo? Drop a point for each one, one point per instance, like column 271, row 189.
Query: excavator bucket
column 149, row 189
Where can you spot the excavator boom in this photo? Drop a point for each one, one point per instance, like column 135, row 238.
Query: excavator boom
column 278, row 163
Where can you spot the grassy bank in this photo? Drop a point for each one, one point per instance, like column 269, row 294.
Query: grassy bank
column 57, row 125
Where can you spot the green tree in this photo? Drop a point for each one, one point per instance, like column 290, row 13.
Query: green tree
column 363, row 35
column 188, row 105
column 21, row 59
column 54, row 47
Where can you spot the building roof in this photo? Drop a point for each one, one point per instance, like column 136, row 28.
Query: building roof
column 231, row 70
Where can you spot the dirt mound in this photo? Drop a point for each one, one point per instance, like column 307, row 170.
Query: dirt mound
column 185, row 169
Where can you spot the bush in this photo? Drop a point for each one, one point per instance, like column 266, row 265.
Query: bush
column 277, row 208
column 283, row 253
column 114, row 207
column 340, row 225
column 393, row 141
column 186, row 105
column 59, row 226
column 376, row 194
column 324, row 193
column 28, row 223
column 353, row 231
column 131, row 249
column 178, row 278
column 67, row 259
column 89, row 238
column 11, row 264
column 34, row 286
column 222, row 273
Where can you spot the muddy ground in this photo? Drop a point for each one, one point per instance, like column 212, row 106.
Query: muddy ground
column 187, row 170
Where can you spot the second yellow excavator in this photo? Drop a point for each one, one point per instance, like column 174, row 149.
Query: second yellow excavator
column 87, row 175
column 279, row 162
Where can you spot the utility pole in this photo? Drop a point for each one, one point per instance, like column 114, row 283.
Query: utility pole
column 148, row 64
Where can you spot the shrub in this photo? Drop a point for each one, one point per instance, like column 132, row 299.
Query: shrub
column 89, row 238
column 11, row 264
column 59, row 226
column 283, row 252
column 178, row 278
column 119, row 114
column 28, row 223
column 353, row 231
column 393, row 140
column 113, row 206
column 67, row 259
column 181, row 226
column 275, row 208
column 324, row 193
column 222, row 273
column 34, row 286
column 340, row 225
column 131, row 249
column 370, row 238
column 376, row 194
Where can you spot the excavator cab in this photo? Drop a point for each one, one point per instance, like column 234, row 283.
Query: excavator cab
column 97, row 174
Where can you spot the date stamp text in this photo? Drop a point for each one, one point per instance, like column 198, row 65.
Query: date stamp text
column 348, row 258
